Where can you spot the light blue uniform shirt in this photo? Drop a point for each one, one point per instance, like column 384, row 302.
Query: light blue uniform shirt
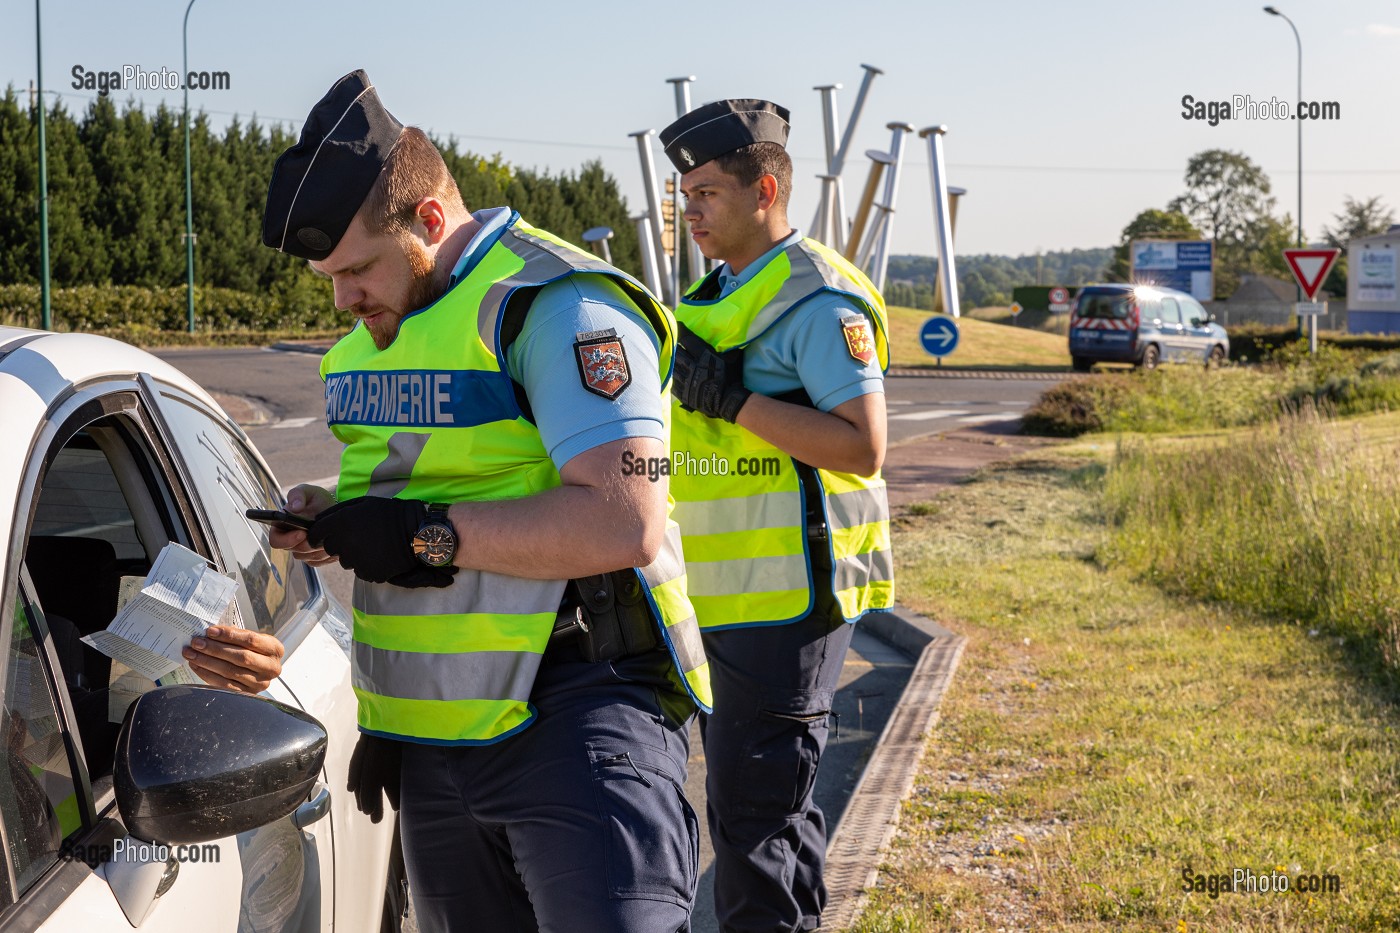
column 570, row 418
column 806, row 348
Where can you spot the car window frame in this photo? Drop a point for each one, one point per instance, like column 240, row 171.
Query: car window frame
column 72, row 411
column 300, row 622
column 1162, row 310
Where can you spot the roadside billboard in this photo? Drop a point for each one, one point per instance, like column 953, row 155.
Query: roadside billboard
column 1186, row 265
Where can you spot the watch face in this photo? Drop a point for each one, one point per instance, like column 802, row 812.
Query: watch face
column 435, row 544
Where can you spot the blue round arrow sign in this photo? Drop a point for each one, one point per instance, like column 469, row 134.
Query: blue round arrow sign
column 939, row 335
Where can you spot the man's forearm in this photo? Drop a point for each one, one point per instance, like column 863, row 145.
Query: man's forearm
column 601, row 519
column 565, row 532
column 817, row 438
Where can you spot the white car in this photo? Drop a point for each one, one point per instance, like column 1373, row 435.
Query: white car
column 109, row 454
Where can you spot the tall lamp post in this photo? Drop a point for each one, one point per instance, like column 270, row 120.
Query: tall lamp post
column 189, row 184
column 1273, row 11
column 46, row 309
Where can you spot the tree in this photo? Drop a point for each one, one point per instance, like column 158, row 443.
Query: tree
column 1228, row 197
column 1357, row 219
column 1148, row 224
column 1225, row 193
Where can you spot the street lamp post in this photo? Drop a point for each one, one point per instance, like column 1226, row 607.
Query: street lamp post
column 1273, row 11
column 189, row 184
column 45, row 306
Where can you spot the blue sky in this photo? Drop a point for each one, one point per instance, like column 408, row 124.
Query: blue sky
column 1065, row 119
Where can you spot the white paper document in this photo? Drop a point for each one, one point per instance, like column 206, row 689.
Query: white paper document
column 182, row 597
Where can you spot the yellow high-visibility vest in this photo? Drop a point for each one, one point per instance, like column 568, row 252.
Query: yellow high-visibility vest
column 434, row 416
column 746, row 543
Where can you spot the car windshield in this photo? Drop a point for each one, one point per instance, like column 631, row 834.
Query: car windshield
column 1104, row 305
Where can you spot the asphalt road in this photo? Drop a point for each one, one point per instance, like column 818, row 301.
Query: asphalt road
column 295, row 442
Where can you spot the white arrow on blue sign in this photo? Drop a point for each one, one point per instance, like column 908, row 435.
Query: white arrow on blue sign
column 939, row 335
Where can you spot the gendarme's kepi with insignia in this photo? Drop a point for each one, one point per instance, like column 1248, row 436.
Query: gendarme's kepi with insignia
column 319, row 184
column 710, row 131
column 602, row 363
column 859, row 340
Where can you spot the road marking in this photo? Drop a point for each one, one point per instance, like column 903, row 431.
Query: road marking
column 998, row 416
column 929, row 415
column 295, row 422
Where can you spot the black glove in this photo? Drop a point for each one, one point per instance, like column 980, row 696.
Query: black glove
column 373, row 536
column 706, row 380
column 375, row 774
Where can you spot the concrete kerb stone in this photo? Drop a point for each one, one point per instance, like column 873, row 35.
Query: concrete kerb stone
column 933, row 373
column 870, row 819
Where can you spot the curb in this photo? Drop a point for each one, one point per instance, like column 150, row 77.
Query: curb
column 318, row 347
column 870, row 819
column 979, row 374
column 245, row 412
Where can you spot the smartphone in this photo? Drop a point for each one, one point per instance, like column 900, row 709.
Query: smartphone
column 282, row 521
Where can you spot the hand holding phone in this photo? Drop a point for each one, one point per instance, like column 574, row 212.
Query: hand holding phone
column 279, row 519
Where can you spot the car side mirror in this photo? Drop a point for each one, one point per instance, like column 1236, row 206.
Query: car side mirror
column 195, row 764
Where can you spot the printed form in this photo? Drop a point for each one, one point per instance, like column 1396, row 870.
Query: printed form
column 182, row 596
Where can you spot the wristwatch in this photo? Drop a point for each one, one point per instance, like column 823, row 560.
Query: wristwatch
column 435, row 543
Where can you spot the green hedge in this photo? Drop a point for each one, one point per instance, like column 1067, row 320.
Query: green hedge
column 1037, row 297
column 1255, row 342
column 306, row 304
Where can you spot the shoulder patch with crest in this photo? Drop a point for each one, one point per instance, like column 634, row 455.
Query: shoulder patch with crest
column 859, row 340
column 602, row 363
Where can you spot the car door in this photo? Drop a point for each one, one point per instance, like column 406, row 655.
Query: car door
column 289, row 870
column 282, row 596
column 1199, row 336
column 91, row 504
column 1174, row 339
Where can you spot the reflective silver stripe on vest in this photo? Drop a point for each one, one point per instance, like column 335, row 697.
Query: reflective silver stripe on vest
column 670, row 560
column 857, row 507
column 809, row 274
column 393, row 473
column 684, row 634
column 859, row 569
column 685, row 638
column 544, row 261
column 750, row 575
column 472, row 675
column 830, row 274
column 471, row 591
column 739, row 513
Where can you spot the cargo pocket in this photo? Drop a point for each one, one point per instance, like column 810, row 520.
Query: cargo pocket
column 780, row 758
column 652, row 841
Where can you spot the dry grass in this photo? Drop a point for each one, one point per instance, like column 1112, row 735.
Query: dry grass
column 1103, row 736
column 981, row 345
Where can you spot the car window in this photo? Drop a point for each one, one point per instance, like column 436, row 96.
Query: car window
column 1193, row 311
column 1171, row 311
column 82, row 499
column 1113, row 305
column 38, row 794
column 229, row 480
column 101, row 515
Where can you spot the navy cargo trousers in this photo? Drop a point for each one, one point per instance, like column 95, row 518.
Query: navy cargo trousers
column 578, row 824
column 773, row 689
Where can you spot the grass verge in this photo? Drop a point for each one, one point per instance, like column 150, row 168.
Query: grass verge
column 1188, row 398
column 981, row 345
column 1103, row 736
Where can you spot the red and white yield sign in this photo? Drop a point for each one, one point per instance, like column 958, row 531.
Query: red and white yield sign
column 1310, row 267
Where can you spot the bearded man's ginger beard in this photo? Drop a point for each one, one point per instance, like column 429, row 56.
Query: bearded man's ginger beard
column 422, row 292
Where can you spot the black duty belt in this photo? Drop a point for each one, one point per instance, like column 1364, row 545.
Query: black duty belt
column 605, row 617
